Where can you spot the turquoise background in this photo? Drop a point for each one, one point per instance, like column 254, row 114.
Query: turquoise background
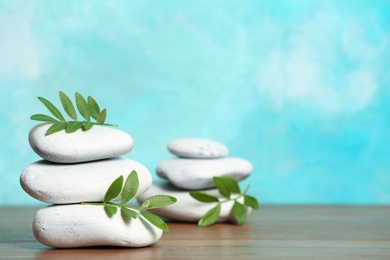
column 299, row 88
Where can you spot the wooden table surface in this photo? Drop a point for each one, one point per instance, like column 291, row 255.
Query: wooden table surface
column 294, row 232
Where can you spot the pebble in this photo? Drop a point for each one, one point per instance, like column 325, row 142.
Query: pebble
column 70, row 226
column 197, row 148
column 187, row 208
column 94, row 144
column 74, row 183
column 196, row 174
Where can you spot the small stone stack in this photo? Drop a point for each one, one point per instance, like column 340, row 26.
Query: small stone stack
column 199, row 160
column 80, row 167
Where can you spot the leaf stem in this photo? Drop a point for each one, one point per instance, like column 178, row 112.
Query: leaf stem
column 233, row 199
column 246, row 189
column 109, row 204
column 108, row 124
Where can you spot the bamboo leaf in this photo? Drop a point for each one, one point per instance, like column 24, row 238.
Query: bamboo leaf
column 43, row 118
column 68, row 105
column 210, row 217
column 114, row 190
column 157, row 201
column 239, row 211
column 93, row 107
column 53, row 110
column 110, row 210
column 155, row 220
column 102, row 117
column 130, row 188
column 251, row 202
column 222, row 188
column 128, row 214
column 203, row 197
column 56, row 127
column 73, row 126
column 82, row 106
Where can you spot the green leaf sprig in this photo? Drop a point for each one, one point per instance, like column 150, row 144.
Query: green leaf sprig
column 229, row 189
column 87, row 109
column 128, row 190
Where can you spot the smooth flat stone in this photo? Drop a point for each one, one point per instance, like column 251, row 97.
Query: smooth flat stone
column 197, row 148
column 187, row 208
column 69, row 226
column 74, row 183
column 81, row 146
column 195, row 174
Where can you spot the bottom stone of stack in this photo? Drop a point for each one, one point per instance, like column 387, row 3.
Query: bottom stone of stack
column 187, row 208
column 70, row 226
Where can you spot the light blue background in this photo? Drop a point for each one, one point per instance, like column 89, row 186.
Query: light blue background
column 299, row 88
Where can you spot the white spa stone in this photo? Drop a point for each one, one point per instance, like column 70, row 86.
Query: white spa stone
column 195, row 174
column 187, row 208
column 197, row 148
column 70, row 226
column 73, row 183
column 94, row 144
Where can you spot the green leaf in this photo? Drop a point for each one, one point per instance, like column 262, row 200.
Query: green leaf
column 43, row 118
column 93, row 107
column 251, row 202
column 155, row 220
column 73, row 126
column 87, row 125
column 210, row 217
column 158, row 201
column 128, row 212
column 85, row 108
column 222, row 188
column 231, row 184
column 68, row 105
column 239, row 211
column 102, row 117
column 55, row 112
column 114, row 190
column 203, row 197
column 82, row 106
column 130, row 188
column 56, row 127
column 110, row 210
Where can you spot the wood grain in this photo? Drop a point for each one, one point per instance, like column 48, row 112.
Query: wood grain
column 293, row 232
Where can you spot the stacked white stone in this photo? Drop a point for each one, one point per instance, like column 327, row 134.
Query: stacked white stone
column 80, row 167
column 199, row 160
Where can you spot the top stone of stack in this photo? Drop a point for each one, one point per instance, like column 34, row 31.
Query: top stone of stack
column 81, row 146
column 197, row 148
column 201, row 160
